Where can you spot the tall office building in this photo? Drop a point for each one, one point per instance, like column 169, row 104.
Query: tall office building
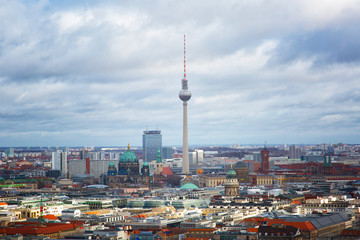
column 196, row 157
column 152, row 142
column 167, row 153
column 199, row 156
column 59, row 161
column 185, row 96
column 192, row 159
column 294, row 152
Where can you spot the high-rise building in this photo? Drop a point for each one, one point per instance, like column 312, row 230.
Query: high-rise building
column 152, row 142
column 192, row 158
column 199, row 156
column 59, row 161
column 185, row 96
column 196, row 157
column 257, row 156
column 167, row 153
column 294, row 152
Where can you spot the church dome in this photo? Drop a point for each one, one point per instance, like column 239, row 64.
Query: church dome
column 188, row 186
column 128, row 157
column 231, row 174
column 146, row 164
column 111, row 164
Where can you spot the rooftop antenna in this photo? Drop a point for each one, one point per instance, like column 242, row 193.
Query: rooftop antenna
column 184, row 59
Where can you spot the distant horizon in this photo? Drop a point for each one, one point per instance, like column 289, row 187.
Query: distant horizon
column 180, row 146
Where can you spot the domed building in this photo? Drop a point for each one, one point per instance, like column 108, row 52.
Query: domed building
column 189, row 186
column 111, row 169
column 128, row 163
column 128, row 172
column 231, row 184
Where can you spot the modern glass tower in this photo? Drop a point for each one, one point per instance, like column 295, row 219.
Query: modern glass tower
column 152, row 142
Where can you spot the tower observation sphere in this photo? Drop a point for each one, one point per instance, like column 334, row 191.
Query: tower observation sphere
column 184, row 94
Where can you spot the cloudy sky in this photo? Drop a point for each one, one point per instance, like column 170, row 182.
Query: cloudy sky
column 100, row 72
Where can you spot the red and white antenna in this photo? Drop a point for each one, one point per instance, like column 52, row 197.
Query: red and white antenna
column 184, row 59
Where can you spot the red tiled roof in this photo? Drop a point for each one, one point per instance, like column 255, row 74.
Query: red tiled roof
column 254, row 220
column 304, row 226
column 167, row 171
column 36, row 228
column 253, row 230
column 50, row 217
column 350, row 232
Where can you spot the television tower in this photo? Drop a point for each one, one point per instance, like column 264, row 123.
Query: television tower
column 185, row 96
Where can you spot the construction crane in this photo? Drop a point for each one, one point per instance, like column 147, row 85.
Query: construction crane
column 282, row 179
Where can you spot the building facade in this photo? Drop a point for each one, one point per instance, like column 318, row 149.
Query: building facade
column 211, row 180
column 167, row 153
column 231, row 184
column 59, row 161
column 152, row 142
column 128, row 171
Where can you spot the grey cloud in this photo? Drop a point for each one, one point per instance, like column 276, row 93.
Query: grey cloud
column 326, row 46
column 101, row 79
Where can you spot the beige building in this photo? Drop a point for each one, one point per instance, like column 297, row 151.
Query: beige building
column 211, row 180
column 25, row 213
column 231, row 184
column 264, row 180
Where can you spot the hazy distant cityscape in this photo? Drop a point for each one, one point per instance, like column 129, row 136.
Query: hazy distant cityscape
column 299, row 191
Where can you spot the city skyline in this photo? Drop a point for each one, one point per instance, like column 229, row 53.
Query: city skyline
column 98, row 73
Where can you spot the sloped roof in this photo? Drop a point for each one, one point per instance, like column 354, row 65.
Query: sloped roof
column 304, row 226
column 50, row 217
column 167, row 171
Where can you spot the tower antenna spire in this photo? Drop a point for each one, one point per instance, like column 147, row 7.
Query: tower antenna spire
column 184, row 58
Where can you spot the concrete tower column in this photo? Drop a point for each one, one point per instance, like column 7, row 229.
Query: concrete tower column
column 185, row 166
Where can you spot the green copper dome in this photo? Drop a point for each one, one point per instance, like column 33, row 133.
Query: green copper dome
column 231, row 174
column 158, row 156
column 188, row 186
column 128, row 156
column 146, row 164
column 111, row 164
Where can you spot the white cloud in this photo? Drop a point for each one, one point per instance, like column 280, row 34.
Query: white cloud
column 98, row 74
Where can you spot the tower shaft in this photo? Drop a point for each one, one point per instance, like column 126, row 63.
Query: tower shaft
column 185, row 165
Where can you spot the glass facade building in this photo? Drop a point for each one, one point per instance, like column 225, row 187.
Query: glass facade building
column 167, row 153
column 152, row 142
